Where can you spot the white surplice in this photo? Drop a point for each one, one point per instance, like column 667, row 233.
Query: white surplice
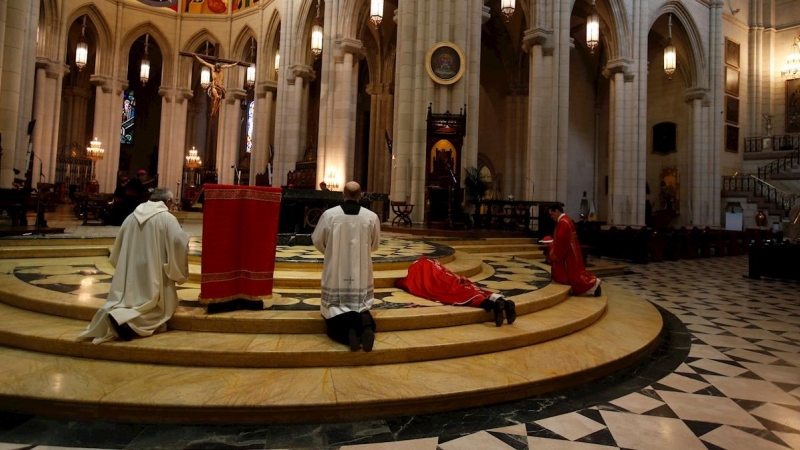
column 150, row 255
column 347, row 241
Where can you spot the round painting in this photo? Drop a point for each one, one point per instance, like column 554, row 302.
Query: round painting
column 445, row 63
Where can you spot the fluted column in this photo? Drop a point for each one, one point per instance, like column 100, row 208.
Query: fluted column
column 289, row 148
column 622, row 182
column 264, row 120
column 541, row 162
column 172, row 137
column 228, row 142
column 11, row 87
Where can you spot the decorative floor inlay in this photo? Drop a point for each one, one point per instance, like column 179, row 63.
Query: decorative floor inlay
column 726, row 376
column 511, row 277
column 391, row 250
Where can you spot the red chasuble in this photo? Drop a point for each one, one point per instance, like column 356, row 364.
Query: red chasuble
column 427, row 278
column 566, row 258
column 240, row 233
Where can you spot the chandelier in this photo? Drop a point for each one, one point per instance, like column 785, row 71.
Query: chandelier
column 144, row 71
column 316, row 35
column 277, row 60
column 193, row 162
column 507, row 7
column 376, row 12
column 792, row 67
column 95, row 152
column 82, row 49
column 670, row 59
column 205, row 74
column 593, row 29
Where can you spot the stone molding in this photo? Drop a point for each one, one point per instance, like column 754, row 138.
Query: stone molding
column 538, row 36
column 301, row 71
column 696, row 93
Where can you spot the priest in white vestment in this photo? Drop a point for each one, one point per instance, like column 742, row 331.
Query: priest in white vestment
column 347, row 235
column 150, row 256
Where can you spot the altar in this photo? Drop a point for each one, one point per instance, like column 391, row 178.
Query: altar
column 302, row 208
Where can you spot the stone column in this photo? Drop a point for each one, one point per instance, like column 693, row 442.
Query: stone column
column 619, row 176
column 697, row 181
column 716, row 67
column 172, row 146
column 380, row 161
column 51, row 121
column 11, row 88
column 228, row 142
column 289, row 148
column 541, row 158
column 264, row 120
column 39, row 148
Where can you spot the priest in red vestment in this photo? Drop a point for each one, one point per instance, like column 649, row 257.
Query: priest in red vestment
column 428, row 278
column 565, row 256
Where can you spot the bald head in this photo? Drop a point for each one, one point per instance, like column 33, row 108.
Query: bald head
column 352, row 191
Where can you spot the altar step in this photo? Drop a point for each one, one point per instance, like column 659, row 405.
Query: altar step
column 79, row 387
column 19, row 294
column 56, row 335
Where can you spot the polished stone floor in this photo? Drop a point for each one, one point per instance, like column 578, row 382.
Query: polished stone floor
column 726, row 375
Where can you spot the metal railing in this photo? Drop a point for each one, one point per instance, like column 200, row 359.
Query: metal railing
column 760, row 190
column 777, row 143
column 780, row 165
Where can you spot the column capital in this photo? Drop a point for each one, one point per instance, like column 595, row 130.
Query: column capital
column 696, row 93
column 103, row 81
column 380, row 89
column 486, row 14
column 538, row 36
column 619, row 65
column 350, row 45
column 235, row 95
column 302, row 71
column 266, row 86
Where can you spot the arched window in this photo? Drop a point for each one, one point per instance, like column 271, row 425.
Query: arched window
column 128, row 115
column 249, row 145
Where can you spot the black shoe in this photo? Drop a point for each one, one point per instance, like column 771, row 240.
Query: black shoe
column 499, row 306
column 598, row 292
column 124, row 331
column 368, row 339
column 511, row 312
column 352, row 338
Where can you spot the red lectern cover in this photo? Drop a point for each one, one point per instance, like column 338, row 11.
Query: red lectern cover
column 240, row 233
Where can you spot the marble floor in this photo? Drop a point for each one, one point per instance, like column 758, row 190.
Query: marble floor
column 726, row 375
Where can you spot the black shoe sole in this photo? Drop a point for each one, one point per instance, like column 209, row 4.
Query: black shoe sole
column 368, row 339
column 598, row 292
column 355, row 343
column 511, row 312
column 124, row 331
column 499, row 307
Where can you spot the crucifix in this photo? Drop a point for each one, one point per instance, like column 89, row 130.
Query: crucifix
column 216, row 91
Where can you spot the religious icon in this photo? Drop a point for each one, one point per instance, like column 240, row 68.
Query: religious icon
column 445, row 63
column 215, row 90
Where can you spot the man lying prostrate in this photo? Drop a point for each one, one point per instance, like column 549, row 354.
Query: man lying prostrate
column 429, row 279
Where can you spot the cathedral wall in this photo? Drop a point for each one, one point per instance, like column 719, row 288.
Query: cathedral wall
column 734, row 30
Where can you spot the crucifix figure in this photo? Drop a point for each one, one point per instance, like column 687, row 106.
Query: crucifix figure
column 216, row 91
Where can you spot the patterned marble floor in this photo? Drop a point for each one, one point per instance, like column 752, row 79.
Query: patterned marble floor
column 726, row 376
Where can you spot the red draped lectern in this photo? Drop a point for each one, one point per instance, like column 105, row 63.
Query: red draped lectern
column 240, row 233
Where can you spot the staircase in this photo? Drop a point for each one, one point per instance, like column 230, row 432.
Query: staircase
column 773, row 187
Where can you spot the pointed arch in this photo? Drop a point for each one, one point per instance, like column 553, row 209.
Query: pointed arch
column 271, row 45
column 47, row 47
column 190, row 46
column 241, row 45
column 105, row 38
column 161, row 40
column 697, row 70
column 619, row 41
column 302, row 34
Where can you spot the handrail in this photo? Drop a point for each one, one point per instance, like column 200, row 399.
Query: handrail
column 759, row 189
column 780, row 164
column 774, row 143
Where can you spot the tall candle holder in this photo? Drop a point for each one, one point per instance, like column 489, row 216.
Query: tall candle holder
column 95, row 152
column 192, row 162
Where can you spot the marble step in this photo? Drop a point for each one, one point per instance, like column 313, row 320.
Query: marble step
column 55, row 241
column 56, row 335
column 38, row 383
column 20, row 294
column 500, row 241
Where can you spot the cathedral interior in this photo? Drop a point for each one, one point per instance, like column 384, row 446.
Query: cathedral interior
column 670, row 130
